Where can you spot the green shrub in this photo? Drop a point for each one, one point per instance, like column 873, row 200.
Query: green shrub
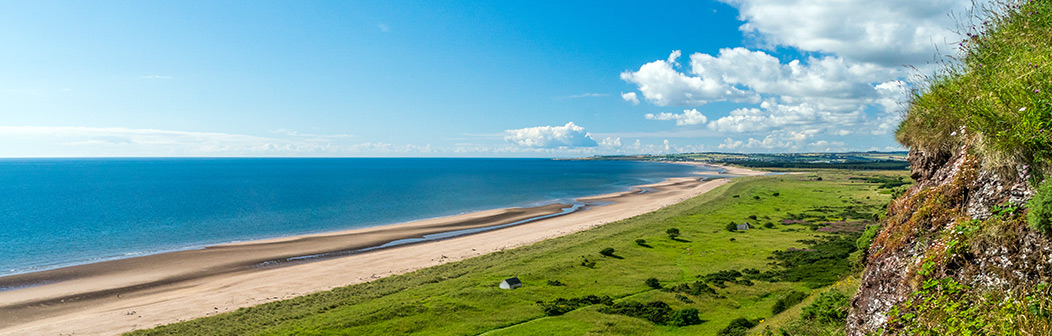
column 1040, row 213
column 684, row 317
column 830, row 307
column 683, row 298
column 732, row 227
column 588, row 263
column 737, row 327
column 607, row 252
column 654, row 311
column 672, row 233
column 768, row 225
column 641, row 242
column 652, row 283
column 555, row 283
column 866, row 238
column 788, row 301
column 562, row 306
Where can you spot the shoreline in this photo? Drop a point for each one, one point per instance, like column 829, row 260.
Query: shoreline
column 142, row 292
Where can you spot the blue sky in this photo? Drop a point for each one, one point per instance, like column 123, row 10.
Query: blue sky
column 445, row 78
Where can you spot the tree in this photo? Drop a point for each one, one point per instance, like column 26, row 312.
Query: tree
column 672, row 233
column 609, row 251
column 641, row 242
column 732, row 227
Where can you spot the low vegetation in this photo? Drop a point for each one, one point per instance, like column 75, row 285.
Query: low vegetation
column 704, row 282
column 998, row 98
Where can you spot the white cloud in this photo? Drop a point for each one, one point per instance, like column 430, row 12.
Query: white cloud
column 155, row 77
column 888, row 33
column 36, row 141
column 630, row 97
column 768, row 143
column 663, row 85
column 689, row 117
column 851, row 84
column 383, row 27
column 569, row 135
column 589, row 95
column 610, row 142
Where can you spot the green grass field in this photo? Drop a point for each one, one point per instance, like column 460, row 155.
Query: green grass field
column 463, row 298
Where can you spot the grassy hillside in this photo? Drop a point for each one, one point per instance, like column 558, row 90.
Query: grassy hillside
column 463, row 298
column 998, row 99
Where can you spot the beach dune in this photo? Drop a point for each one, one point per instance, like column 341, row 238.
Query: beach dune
column 122, row 295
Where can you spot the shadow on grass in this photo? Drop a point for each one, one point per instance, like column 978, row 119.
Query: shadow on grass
column 613, row 256
column 681, row 240
column 645, row 245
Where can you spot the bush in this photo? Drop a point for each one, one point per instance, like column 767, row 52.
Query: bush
column 641, row 242
column 684, row 317
column 654, row 311
column 775, row 194
column 830, row 307
column 683, row 298
column 768, row 225
column 588, row 263
column 1040, row 215
column 756, row 197
column 866, row 239
column 672, row 233
column 788, row 301
column 607, row 252
column 555, row 283
column 752, row 217
column 737, row 327
column 732, row 227
column 652, row 283
column 562, row 306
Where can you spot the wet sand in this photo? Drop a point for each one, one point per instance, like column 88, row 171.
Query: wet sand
column 122, row 295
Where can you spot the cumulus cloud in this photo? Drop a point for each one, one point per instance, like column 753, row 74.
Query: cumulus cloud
column 630, row 97
column 850, row 81
column 663, row 85
column 767, row 143
column 689, row 117
column 610, row 142
column 888, row 33
column 569, row 135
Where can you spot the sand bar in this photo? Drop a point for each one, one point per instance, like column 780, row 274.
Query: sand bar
column 117, row 296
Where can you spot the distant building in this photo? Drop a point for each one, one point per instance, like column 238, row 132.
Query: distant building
column 743, row 227
column 511, row 283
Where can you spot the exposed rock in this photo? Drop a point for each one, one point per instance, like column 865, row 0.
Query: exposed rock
column 950, row 189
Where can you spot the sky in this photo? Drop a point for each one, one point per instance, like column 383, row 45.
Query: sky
column 461, row 78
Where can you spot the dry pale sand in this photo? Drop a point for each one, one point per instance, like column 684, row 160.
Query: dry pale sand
column 123, row 295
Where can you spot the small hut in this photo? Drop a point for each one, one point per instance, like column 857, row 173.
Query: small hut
column 511, row 283
column 743, row 227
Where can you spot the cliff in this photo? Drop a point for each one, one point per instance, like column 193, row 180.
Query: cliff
column 966, row 250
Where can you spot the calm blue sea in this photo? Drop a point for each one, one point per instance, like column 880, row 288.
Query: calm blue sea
column 60, row 212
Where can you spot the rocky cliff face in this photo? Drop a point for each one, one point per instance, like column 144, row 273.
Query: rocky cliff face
column 955, row 254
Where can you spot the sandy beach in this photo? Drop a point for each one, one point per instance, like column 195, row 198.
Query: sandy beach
column 122, row 295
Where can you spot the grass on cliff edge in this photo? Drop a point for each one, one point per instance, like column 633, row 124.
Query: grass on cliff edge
column 463, row 298
column 998, row 98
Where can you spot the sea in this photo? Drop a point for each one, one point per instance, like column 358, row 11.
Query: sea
column 63, row 212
